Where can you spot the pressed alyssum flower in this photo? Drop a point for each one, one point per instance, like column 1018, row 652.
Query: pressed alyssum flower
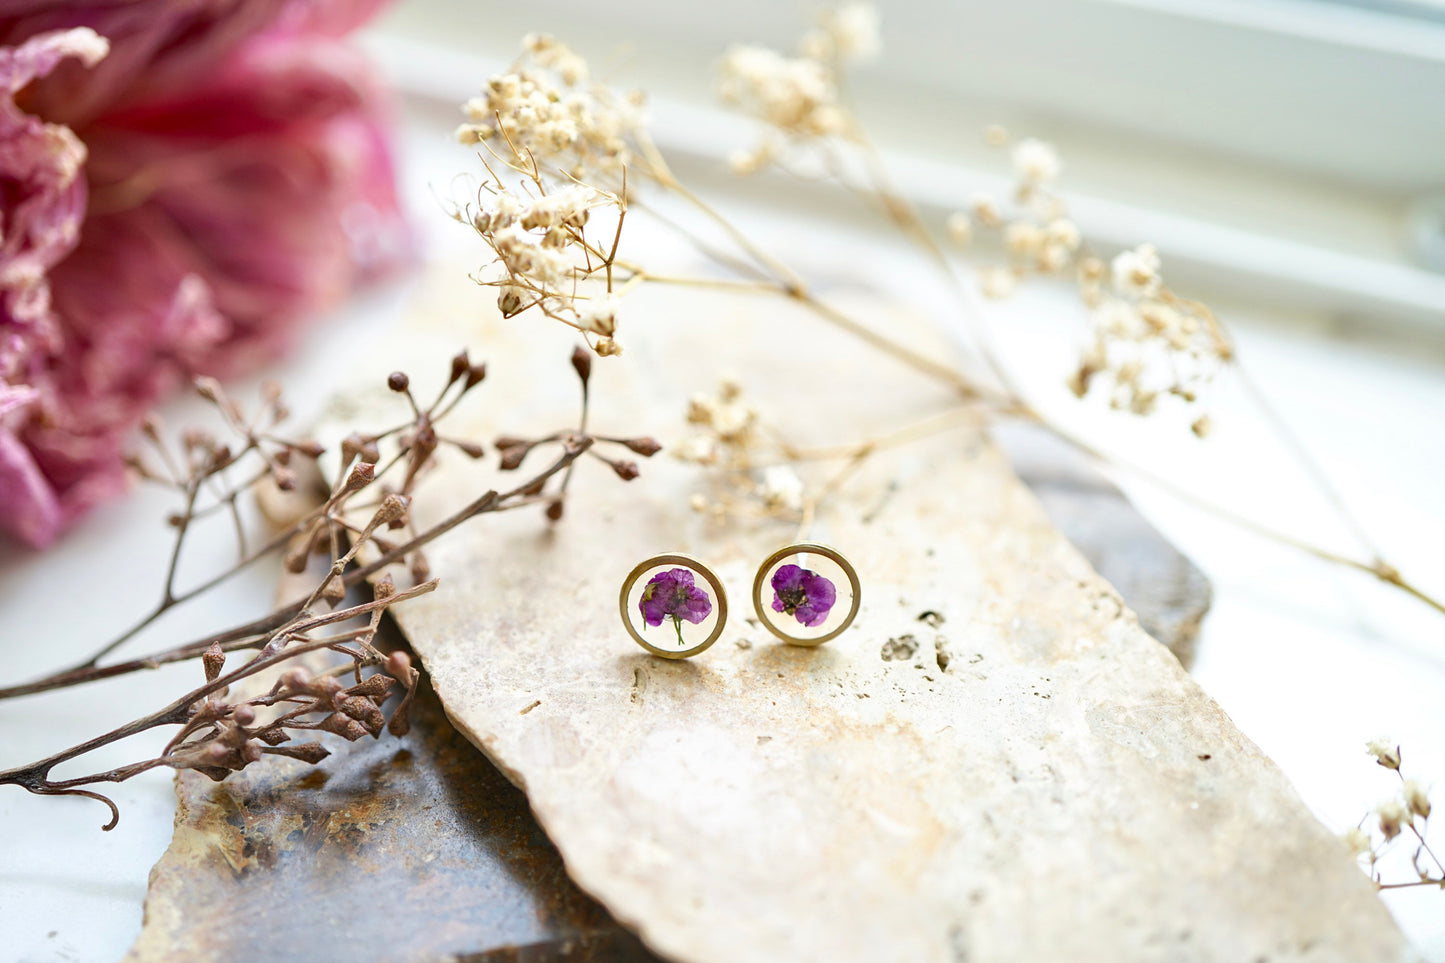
column 674, row 595
column 803, row 594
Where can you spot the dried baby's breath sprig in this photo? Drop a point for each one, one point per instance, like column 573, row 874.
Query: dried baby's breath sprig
column 1145, row 342
column 1045, row 241
column 755, row 471
column 556, row 150
column 799, row 98
column 1405, row 817
column 545, row 108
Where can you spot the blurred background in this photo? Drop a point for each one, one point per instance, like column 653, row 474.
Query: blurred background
column 1289, row 151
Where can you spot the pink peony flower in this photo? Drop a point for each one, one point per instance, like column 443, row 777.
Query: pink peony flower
column 182, row 184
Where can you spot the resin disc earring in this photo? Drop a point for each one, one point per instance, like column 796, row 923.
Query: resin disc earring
column 668, row 610
column 797, row 593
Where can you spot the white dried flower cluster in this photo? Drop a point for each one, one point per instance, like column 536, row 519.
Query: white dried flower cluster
column 1036, row 233
column 1405, row 815
column 781, row 489
column 1392, row 816
column 1146, row 342
column 1385, row 751
column 725, row 423
column 544, row 112
column 797, row 97
column 1136, row 273
column 1036, row 161
column 544, row 258
column 753, row 479
column 1416, row 799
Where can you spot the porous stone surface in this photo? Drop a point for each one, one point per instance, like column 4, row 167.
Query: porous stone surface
column 994, row 763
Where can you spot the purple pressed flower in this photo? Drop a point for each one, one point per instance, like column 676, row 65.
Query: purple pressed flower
column 803, row 594
column 674, row 595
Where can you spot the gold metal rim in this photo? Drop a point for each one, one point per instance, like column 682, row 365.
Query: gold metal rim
column 809, row 548
column 687, row 561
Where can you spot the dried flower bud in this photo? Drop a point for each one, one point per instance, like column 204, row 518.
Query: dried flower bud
column 385, row 587
column 209, row 389
column 476, row 375
column 296, row 556
column 362, row 474
column 272, row 735
column 582, row 364
column 393, row 509
column 607, row 348
column 555, row 509
column 398, row 381
column 513, row 456
column 310, row 449
column 327, row 687
column 470, row 448
column 333, row 591
column 343, row 726
column 461, row 364
column 364, row 711
column 1392, row 816
column 1385, row 751
column 626, row 470
column 400, row 723
column 374, row 687
column 1202, row 426
column 295, row 679
column 420, row 567
column 1357, row 840
column 398, row 664
column 312, row 752
column 284, row 478
column 213, row 661
column 1416, row 799
column 646, row 447
column 243, row 715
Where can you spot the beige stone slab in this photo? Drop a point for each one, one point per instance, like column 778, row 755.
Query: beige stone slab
column 1038, row 779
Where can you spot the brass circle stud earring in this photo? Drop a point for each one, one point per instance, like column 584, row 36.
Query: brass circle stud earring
column 665, row 589
column 802, row 587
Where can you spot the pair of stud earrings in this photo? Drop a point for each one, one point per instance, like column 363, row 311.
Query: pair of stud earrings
column 796, row 594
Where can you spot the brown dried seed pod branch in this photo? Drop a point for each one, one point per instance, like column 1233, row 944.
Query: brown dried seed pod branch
column 353, row 526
